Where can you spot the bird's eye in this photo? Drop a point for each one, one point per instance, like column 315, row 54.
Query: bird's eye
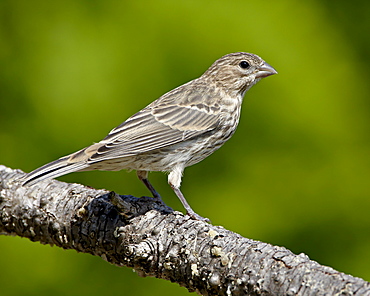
column 244, row 65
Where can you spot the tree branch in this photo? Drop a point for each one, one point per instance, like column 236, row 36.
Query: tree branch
column 156, row 241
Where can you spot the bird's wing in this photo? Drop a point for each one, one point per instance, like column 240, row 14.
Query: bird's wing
column 161, row 124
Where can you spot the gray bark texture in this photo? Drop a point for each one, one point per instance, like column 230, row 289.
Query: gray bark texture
column 156, row 241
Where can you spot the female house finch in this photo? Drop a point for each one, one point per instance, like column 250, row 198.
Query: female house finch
column 179, row 129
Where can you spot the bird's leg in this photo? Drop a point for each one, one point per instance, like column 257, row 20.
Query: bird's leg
column 189, row 210
column 174, row 179
column 143, row 176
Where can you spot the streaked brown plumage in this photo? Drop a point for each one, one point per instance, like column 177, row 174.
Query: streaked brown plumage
column 179, row 129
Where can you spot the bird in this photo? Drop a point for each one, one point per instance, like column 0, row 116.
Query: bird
column 179, row 129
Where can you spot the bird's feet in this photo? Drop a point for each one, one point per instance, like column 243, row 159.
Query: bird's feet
column 157, row 197
column 195, row 216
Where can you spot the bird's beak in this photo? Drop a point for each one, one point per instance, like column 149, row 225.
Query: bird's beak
column 265, row 70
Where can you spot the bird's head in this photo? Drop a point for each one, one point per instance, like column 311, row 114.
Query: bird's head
column 237, row 72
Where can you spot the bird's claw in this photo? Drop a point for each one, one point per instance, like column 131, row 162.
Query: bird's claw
column 195, row 216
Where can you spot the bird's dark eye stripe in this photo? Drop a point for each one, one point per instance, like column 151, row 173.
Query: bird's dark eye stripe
column 244, row 65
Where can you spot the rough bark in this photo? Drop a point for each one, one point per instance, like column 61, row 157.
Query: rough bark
column 156, row 241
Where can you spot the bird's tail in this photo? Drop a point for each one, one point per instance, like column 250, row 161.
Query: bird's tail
column 59, row 167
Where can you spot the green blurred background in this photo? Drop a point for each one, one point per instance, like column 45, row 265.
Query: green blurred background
column 295, row 174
